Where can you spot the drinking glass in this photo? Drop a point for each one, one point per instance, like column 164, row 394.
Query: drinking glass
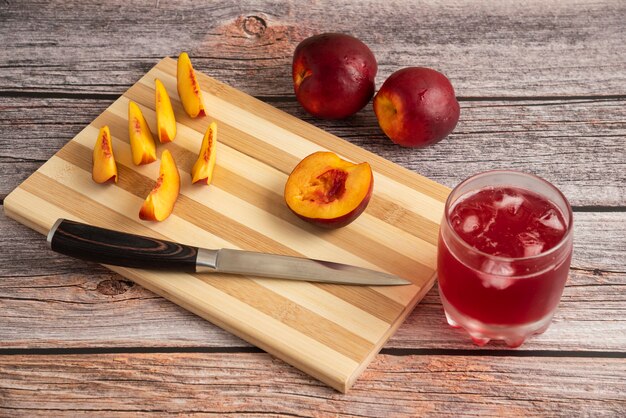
column 512, row 296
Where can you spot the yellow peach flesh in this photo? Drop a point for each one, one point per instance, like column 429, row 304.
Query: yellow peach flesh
column 202, row 170
column 104, row 166
column 166, row 122
column 160, row 202
column 142, row 144
column 323, row 186
column 188, row 87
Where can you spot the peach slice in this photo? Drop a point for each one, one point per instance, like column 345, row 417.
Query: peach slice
column 104, row 166
column 166, row 122
column 202, row 170
column 188, row 87
column 327, row 191
column 160, row 202
column 141, row 141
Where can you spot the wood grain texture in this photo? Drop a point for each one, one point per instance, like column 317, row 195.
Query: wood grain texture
column 254, row 384
column 329, row 331
column 577, row 145
column 99, row 245
column 541, row 86
column 505, row 48
column 63, row 307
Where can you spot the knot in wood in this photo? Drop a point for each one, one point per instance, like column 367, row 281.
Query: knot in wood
column 114, row 287
column 254, row 26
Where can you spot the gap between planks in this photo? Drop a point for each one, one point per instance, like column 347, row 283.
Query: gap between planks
column 265, row 98
column 398, row 352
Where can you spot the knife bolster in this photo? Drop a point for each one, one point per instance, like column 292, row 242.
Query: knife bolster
column 206, row 262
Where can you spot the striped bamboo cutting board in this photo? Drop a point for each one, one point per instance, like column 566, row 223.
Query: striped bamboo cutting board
column 329, row 331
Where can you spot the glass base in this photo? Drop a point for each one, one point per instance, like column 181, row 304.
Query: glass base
column 512, row 335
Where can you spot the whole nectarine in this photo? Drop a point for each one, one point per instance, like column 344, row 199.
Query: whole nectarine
column 333, row 75
column 416, row 107
column 327, row 191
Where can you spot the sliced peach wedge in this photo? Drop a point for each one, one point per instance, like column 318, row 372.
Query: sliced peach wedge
column 142, row 144
column 160, row 202
column 104, row 167
column 188, row 87
column 166, row 122
column 202, row 170
column 328, row 191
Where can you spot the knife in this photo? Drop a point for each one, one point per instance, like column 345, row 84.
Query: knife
column 106, row 246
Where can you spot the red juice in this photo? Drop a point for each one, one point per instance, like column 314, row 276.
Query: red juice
column 501, row 263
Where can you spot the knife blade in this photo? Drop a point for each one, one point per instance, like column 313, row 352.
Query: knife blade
column 106, row 246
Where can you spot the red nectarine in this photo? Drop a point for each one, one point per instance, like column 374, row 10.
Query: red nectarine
column 333, row 75
column 416, row 107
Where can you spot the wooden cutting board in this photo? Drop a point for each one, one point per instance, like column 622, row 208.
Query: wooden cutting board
column 331, row 332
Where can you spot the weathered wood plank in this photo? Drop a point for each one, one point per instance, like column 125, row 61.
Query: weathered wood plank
column 505, row 48
column 578, row 145
column 588, row 318
column 67, row 303
column 253, row 384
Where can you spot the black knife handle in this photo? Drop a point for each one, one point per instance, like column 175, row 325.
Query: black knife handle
column 106, row 246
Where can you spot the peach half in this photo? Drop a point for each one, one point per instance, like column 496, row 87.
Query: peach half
column 142, row 144
column 202, row 170
column 104, row 167
column 160, row 202
column 327, row 191
column 188, row 87
column 166, row 122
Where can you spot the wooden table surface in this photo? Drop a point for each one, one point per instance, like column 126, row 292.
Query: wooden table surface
column 542, row 88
